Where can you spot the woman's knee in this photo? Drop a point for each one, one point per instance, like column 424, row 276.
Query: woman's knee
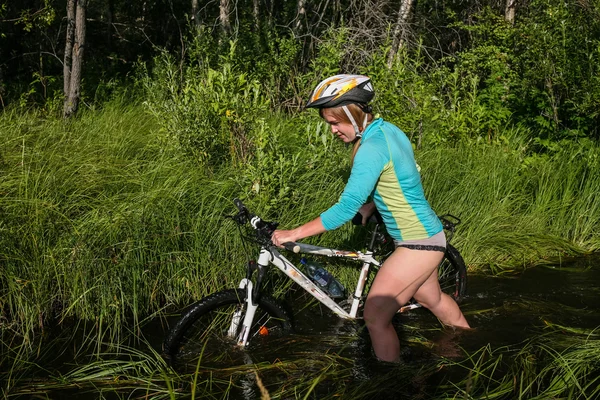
column 374, row 316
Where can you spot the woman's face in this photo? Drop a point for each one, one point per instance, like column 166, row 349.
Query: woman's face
column 343, row 130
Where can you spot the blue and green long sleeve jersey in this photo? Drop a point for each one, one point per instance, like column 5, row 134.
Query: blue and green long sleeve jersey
column 385, row 168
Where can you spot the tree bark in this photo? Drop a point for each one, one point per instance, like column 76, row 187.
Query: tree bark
column 300, row 16
column 195, row 17
column 256, row 13
column 224, row 10
column 69, row 47
column 509, row 12
column 73, row 86
column 337, row 11
column 1, row 88
column 400, row 30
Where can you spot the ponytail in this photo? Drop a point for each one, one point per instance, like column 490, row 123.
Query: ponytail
column 354, row 151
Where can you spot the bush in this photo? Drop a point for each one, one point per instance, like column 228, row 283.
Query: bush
column 207, row 113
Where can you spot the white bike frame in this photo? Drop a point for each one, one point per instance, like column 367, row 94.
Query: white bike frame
column 272, row 256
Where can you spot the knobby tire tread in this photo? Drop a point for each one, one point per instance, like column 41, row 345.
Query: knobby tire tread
column 457, row 261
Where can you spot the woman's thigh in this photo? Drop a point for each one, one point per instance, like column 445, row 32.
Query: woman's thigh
column 399, row 278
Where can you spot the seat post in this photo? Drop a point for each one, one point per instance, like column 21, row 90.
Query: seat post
column 373, row 237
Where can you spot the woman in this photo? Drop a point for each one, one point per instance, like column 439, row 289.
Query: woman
column 383, row 168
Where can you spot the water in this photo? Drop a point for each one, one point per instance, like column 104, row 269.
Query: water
column 327, row 357
column 506, row 314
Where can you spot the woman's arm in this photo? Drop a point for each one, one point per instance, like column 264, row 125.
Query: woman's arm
column 311, row 228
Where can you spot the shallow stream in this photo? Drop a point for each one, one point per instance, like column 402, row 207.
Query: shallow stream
column 527, row 329
column 512, row 317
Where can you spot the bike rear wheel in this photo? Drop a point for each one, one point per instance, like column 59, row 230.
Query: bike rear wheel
column 452, row 274
column 201, row 335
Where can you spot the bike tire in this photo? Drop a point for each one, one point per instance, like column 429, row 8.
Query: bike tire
column 201, row 331
column 452, row 274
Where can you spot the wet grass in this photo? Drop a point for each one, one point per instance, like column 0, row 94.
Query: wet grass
column 556, row 362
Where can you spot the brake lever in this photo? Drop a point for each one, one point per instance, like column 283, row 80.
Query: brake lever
column 239, row 218
column 269, row 228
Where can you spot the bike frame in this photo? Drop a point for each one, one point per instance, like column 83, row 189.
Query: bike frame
column 270, row 255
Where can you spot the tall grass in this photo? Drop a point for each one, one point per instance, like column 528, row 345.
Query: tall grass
column 517, row 208
column 559, row 363
column 101, row 222
column 548, row 366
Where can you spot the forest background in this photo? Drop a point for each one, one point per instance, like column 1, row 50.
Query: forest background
column 128, row 127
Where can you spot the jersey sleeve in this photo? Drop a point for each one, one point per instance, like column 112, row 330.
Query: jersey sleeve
column 368, row 164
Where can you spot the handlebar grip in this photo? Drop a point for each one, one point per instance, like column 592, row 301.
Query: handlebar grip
column 357, row 219
column 291, row 246
column 238, row 203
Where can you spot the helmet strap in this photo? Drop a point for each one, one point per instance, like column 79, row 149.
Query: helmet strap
column 351, row 118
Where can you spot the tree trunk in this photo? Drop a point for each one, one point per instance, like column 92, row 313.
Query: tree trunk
column 509, row 12
column 300, row 16
column 195, row 17
column 69, row 47
column 400, row 30
column 73, row 86
column 224, row 10
column 256, row 13
column 337, row 11
column 1, row 88
column 271, row 12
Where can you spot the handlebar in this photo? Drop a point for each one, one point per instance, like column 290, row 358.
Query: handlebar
column 291, row 246
column 449, row 221
column 264, row 229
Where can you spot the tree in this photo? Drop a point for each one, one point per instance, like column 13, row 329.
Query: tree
column 224, row 10
column 400, row 30
column 256, row 13
column 73, row 62
column 300, row 16
column 509, row 12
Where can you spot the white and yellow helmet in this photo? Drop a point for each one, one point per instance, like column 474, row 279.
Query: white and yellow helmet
column 341, row 90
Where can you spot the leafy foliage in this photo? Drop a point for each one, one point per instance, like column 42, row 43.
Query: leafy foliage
column 208, row 113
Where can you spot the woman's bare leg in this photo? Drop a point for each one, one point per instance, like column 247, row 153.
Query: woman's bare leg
column 401, row 275
column 430, row 296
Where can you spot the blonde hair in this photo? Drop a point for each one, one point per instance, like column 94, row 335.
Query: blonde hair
column 359, row 116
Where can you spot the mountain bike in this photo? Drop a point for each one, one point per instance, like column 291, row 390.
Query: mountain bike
column 231, row 319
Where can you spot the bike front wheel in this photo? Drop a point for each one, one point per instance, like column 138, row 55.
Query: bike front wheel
column 203, row 334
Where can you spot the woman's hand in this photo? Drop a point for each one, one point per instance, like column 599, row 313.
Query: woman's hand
column 314, row 227
column 280, row 237
column 366, row 211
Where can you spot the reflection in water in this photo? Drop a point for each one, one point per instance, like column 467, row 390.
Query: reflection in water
column 506, row 313
column 520, row 324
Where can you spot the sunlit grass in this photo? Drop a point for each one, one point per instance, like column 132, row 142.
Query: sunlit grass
column 102, row 226
column 547, row 365
column 100, row 222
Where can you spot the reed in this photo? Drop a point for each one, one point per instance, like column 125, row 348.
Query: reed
column 101, row 222
column 549, row 365
column 517, row 207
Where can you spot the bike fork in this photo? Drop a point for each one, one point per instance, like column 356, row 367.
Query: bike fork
column 246, row 318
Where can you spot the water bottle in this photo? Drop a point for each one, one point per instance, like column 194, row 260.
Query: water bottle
column 323, row 279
